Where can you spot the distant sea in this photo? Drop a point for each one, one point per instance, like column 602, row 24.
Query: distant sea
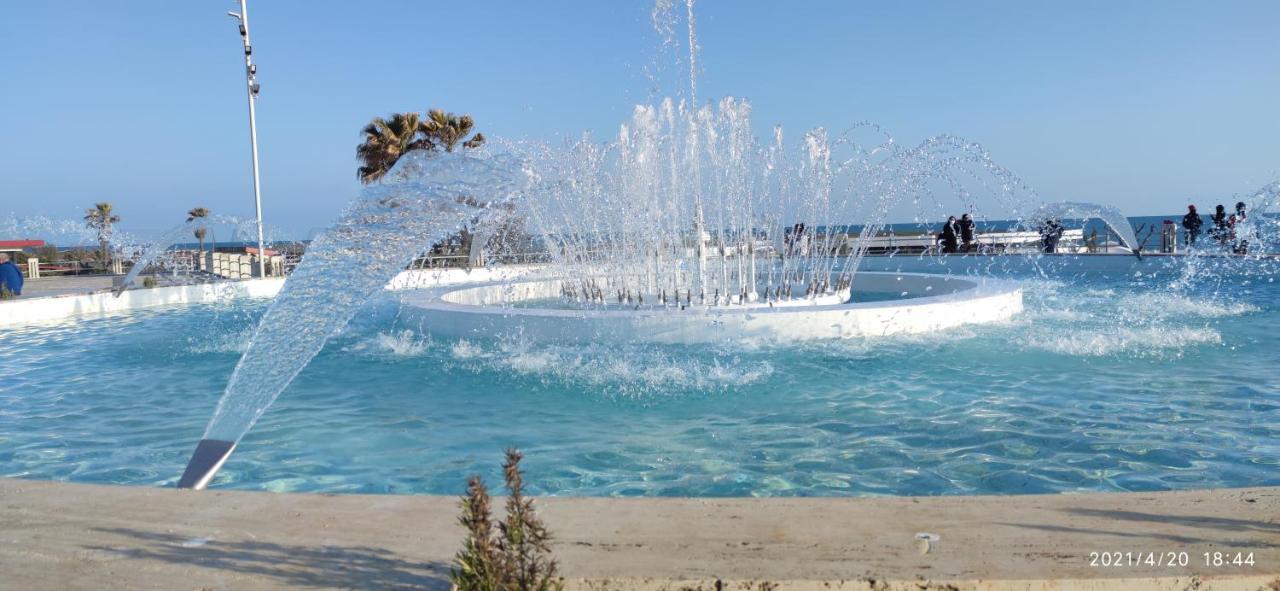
column 235, row 244
column 1140, row 225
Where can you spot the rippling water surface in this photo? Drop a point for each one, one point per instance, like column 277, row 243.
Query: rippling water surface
column 1121, row 375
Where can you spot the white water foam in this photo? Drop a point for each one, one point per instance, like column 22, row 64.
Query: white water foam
column 463, row 349
column 1141, row 342
column 403, row 343
column 637, row 370
column 1109, row 322
column 227, row 342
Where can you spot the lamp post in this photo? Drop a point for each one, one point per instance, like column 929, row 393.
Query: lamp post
column 251, row 87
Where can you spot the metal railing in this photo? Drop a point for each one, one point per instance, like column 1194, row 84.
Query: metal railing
column 35, row 268
column 458, row 256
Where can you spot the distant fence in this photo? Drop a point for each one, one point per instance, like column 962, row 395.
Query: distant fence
column 36, row 268
column 465, row 256
column 241, row 266
column 176, row 263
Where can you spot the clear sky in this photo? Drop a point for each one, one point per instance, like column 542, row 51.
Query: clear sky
column 1146, row 105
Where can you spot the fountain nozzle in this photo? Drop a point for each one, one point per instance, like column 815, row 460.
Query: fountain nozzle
column 209, row 456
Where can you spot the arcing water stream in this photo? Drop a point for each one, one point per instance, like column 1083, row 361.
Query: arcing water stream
column 422, row 200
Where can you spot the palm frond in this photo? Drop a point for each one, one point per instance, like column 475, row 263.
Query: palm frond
column 476, row 141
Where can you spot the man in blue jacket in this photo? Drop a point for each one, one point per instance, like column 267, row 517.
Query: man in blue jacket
column 10, row 275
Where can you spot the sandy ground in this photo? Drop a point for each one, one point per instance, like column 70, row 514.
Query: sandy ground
column 75, row 536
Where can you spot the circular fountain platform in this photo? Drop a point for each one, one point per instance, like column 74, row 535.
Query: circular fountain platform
column 902, row 303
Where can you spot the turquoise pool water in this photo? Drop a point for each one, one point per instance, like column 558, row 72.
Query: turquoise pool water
column 1121, row 375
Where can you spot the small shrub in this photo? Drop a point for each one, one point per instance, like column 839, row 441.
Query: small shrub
column 5, row 294
column 477, row 562
column 516, row 557
column 149, row 282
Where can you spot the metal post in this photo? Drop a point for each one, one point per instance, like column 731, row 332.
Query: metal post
column 251, row 88
column 701, row 250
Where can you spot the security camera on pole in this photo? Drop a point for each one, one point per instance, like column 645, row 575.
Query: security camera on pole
column 251, row 85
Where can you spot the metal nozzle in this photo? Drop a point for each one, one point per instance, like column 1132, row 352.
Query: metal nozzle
column 209, row 456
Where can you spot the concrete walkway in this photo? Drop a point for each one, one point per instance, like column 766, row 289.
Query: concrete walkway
column 68, row 285
column 75, row 536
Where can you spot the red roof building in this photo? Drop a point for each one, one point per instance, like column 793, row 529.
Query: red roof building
column 18, row 245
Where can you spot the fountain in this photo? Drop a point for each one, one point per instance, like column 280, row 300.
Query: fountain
column 701, row 318
column 422, row 200
column 1111, row 216
column 154, row 250
column 686, row 229
column 674, row 233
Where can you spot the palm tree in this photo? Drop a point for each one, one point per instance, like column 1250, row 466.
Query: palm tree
column 386, row 140
column 201, row 231
column 447, row 129
column 100, row 218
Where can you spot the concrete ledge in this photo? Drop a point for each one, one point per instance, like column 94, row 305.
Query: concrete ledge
column 31, row 310
column 428, row 278
column 926, row 303
column 75, row 536
column 34, row 310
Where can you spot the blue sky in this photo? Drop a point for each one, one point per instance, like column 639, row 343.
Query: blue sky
column 1146, row 105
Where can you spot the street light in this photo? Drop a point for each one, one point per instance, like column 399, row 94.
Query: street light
column 210, row 454
column 252, row 88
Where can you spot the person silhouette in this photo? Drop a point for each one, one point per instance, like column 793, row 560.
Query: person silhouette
column 950, row 235
column 1192, row 222
column 1221, row 225
column 10, row 275
column 966, row 232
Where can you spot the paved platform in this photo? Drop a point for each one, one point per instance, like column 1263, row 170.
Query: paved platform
column 68, row 285
column 76, row 536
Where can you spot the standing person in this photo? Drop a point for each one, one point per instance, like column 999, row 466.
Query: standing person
column 1240, row 230
column 1220, row 231
column 10, row 275
column 1192, row 224
column 966, row 232
column 1050, row 233
column 950, row 235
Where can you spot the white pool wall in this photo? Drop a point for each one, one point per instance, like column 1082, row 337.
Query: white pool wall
column 34, row 310
column 928, row 303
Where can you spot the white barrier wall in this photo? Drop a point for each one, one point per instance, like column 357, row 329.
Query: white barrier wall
column 44, row 309
column 30, row 310
column 926, row 303
column 428, row 278
column 933, row 302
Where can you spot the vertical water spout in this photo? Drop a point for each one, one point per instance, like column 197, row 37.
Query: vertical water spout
column 699, row 235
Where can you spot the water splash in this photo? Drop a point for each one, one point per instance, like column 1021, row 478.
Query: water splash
column 402, row 343
column 422, row 200
column 628, row 371
column 155, row 249
column 665, row 21
column 53, row 230
column 1108, row 215
column 688, row 206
